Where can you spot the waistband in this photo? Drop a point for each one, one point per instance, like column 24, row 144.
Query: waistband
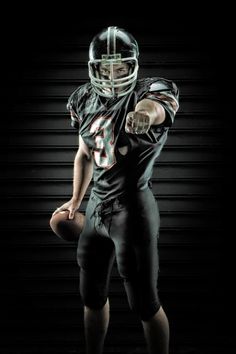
column 120, row 199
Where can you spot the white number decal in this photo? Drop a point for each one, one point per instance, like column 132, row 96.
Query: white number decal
column 104, row 139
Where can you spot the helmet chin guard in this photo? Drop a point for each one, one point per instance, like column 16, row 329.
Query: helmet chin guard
column 111, row 47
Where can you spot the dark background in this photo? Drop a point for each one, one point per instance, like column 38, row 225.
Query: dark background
column 44, row 58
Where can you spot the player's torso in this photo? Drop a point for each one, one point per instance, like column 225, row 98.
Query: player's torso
column 102, row 126
column 121, row 160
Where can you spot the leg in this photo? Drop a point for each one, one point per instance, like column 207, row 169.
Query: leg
column 96, row 325
column 156, row 332
column 95, row 258
column 137, row 259
column 94, row 284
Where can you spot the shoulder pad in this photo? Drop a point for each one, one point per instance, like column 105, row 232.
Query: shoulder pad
column 78, row 94
column 161, row 84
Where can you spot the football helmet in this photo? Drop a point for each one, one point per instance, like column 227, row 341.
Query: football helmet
column 110, row 47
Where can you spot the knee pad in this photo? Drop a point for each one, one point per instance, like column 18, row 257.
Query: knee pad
column 93, row 293
column 65, row 228
column 141, row 301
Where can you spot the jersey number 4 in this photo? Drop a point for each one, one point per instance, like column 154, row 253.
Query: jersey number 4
column 104, row 153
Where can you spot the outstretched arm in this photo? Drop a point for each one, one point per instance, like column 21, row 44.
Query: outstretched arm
column 153, row 109
column 146, row 113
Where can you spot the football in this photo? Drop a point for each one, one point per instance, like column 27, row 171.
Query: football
column 65, row 228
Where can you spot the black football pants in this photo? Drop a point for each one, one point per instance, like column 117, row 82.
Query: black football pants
column 125, row 230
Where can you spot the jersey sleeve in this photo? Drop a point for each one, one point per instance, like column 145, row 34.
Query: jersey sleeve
column 71, row 107
column 166, row 93
column 75, row 104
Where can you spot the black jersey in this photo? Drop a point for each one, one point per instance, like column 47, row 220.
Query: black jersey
column 123, row 162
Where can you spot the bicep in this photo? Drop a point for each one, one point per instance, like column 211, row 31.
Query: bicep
column 167, row 95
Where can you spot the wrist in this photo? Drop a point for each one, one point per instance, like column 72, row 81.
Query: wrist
column 75, row 200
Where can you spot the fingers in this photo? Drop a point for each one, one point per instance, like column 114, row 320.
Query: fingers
column 59, row 210
column 137, row 122
column 129, row 122
column 130, row 118
column 71, row 214
column 69, row 206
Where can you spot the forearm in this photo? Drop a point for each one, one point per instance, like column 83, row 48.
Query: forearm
column 83, row 172
column 155, row 110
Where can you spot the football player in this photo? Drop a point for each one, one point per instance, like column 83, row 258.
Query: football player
column 123, row 122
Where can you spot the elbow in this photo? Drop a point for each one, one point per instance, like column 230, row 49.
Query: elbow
column 82, row 158
column 160, row 114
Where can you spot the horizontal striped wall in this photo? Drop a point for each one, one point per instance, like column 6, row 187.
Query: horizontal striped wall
column 44, row 313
